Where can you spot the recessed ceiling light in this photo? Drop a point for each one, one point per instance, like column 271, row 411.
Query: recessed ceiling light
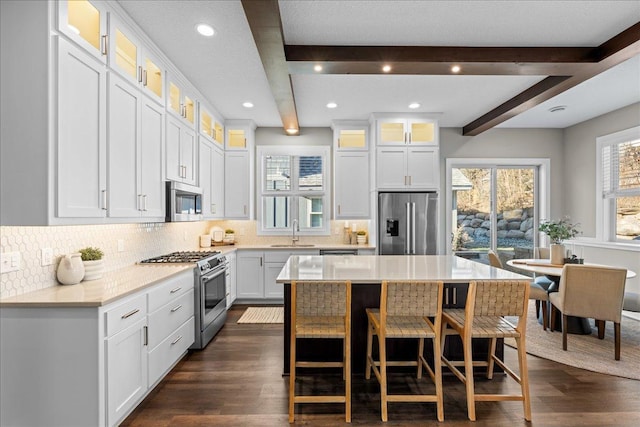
column 205, row 30
column 317, row 68
column 455, row 69
column 292, row 131
column 557, row 108
column 414, row 105
column 386, row 68
column 247, row 104
column 332, row 105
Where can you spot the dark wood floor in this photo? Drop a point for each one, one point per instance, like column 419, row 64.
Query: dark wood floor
column 237, row 381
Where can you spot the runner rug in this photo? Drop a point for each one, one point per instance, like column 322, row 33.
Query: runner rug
column 587, row 351
column 262, row 315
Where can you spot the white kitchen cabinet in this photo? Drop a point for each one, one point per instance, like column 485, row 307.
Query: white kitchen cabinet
column 257, row 272
column 135, row 153
column 127, row 370
column 81, row 139
column 407, row 168
column 351, row 184
column 237, row 181
column 232, row 283
column 180, row 152
column 351, row 135
column 131, row 59
column 250, row 279
column 85, row 22
column 94, row 364
column 403, row 131
column 211, row 179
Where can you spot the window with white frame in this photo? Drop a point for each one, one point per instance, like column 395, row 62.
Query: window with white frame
column 293, row 185
column 619, row 186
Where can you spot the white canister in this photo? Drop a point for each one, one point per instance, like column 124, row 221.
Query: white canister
column 205, row 241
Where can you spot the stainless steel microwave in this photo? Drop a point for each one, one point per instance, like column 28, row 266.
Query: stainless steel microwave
column 184, row 202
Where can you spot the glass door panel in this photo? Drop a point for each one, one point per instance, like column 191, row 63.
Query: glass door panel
column 422, row 133
column 392, row 132
column 153, row 80
column 352, row 138
column 174, row 98
column 471, row 188
column 83, row 19
column 189, row 109
column 126, row 55
column 237, row 138
column 205, row 123
column 515, row 209
column 218, row 133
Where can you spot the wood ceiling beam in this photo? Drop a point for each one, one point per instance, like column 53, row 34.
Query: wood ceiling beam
column 614, row 51
column 266, row 26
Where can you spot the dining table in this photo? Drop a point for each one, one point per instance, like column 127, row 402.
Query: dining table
column 575, row 325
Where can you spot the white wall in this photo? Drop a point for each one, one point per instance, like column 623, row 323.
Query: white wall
column 579, row 172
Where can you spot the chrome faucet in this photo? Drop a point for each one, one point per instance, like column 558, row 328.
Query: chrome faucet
column 294, row 227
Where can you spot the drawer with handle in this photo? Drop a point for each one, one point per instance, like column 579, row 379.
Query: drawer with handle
column 166, row 319
column 126, row 314
column 172, row 288
column 169, row 351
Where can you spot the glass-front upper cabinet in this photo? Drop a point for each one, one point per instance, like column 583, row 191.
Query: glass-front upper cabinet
column 397, row 131
column 240, row 134
column 85, row 22
column 180, row 103
column 350, row 135
column 210, row 126
column 129, row 57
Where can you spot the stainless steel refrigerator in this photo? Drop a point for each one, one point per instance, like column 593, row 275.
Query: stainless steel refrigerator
column 408, row 223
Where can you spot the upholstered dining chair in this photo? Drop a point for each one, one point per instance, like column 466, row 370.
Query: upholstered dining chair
column 536, row 292
column 590, row 291
column 488, row 301
column 406, row 309
column 321, row 310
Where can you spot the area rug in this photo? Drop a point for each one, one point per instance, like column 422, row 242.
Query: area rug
column 587, row 351
column 262, row 315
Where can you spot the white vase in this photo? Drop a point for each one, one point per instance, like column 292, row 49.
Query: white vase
column 70, row 269
column 557, row 254
column 362, row 240
column 93, row 269
column 229, row 237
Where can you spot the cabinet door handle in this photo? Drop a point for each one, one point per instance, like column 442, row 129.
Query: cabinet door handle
column 140, row 202
column 144, row 197
column 174, row 290
column 144, row 77
column 405, row 137
column 176, row 340
column 409, row 179
column 338, row 209
column 410, row 138
column 455, row 295
column 244, row 209
column 139, row 73
column 131, row 313
column 146, row 335
column 213, row 208
column 446, row 296
column 174, row 309
column 104, row 42
column 104, row 200
column 260, row 261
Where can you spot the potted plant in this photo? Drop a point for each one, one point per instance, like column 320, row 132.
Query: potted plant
column 229, row 235
column 93, row 264
column 361, row 237
column 558, row 231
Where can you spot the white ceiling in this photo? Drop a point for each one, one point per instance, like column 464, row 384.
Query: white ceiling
column 227, row 68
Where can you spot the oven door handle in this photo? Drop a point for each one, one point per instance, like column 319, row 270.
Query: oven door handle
column 214, row 273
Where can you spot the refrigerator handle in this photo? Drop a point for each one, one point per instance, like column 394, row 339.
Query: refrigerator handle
column 407, row 241
column 413, row 228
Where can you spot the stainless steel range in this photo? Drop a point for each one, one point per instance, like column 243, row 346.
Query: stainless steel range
column 211, row 275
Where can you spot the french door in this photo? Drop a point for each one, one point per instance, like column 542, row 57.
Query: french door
column 494, row 207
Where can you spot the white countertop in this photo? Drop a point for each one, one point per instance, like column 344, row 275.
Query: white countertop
column 375, row 269
column 95, row 293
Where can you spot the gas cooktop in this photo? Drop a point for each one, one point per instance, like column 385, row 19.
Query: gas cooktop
column 181, row 257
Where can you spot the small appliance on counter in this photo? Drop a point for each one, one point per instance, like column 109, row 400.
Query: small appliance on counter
column 211, row 275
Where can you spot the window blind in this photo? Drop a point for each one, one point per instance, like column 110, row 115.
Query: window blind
column 621, row 169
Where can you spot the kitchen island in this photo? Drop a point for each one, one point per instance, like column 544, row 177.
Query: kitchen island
column 366, row 273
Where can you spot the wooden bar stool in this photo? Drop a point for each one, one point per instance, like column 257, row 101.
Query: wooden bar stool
column 321, row 310
column 487, row 302
column 405, row 309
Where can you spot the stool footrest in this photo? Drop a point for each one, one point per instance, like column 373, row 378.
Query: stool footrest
column 411, row 398
column 497, row 397
column 319, row 399
column 319, row 364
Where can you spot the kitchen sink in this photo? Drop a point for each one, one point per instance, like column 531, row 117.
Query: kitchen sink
column 289, row 245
